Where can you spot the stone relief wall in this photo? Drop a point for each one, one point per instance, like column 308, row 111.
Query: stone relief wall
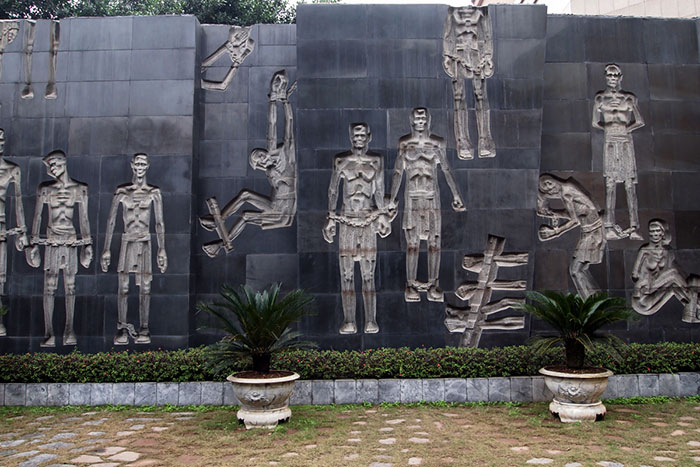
column 212, row 112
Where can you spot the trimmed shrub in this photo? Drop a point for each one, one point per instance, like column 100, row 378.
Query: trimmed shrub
column 449, row 362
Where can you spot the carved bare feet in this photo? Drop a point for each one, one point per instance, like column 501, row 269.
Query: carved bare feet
column 70, row 338
column 143, row 337
column 27, row 92
column 212, row 248
column 411, row 294
column 348, row 328
column 51, row 92
column 634, row 235
column 122, row 337
column 49, row 342
column 371, row 327
column 465, row 151
column 487, row 148
column 614, row 232
column 207, row 222
column 435, row 294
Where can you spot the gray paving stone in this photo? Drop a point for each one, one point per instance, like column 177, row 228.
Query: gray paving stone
column 322, row 392
column 540, row 392
column 25, row 454
column 66, row 435
column 15, row 394
column 301, row 394
column 344, row 391
column 145, row 394
column 648, row 385
column 212, row 393
column 12, row 443
column 56, row 445
column 689, row 384
column 499, row 389
column 229, row 396
column 521, row 389
column 38, row 460
column 411, row 390
column 124, row 393
column 477, row 389
column 627, row 386
column 37, row 394
column 367, row 390
column 611, row 390
column 79, row 393
column 166, row 393
column 389, row 390
column 433, row 389
column 58, row 394
column 669, row 384
column 455, row 390
column 102, row 394
column 190, row 393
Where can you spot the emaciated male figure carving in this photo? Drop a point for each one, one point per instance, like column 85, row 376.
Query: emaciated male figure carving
column 280, row 165
column 360, row 220
column 136, row 199
column 467, row 52
column 616, row 113
column 61, row 253
column 420, row 153
column 9, row 173
column 579, row 211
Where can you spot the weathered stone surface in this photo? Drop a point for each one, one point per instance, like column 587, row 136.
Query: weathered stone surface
column 434, row 389
column 58, row 394
column 123, row 393
column 322, row 392
column 367, row 390
column 477, row 389
column 37, row 394
column 669, row 384
column 166, row 393
column 15, row 394
column 411, row 390
column 145, row 394
column 521, row 389
column 540, row 392
column 190, row 393
column 102, row 394
column 648, row 385
column 627, row 386
column 689, row 384
column 213, row 393
column 345, row 391
column 455, row 390
column 389, row 390
column 499, row 389
column 302, row 393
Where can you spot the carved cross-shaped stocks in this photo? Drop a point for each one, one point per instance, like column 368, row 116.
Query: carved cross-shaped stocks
column 472, row 321
column 238, row 46
column 135, row 256
column 61, row 242
column 8, row 32
column 467, row 52
column 278, row 161
column 9, row 173
column 54, row 37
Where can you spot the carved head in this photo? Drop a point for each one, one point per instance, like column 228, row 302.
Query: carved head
column 260, row 159
column 613, row 76
column 238, row 35
column 278, row 85
column 659, row 232
column 55, row 162
column 360, row 135
column 466, row 15
column 549, row 185
column 139, row 164
column 420, row 119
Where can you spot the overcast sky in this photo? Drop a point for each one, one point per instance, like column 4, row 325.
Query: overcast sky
column 553, row 6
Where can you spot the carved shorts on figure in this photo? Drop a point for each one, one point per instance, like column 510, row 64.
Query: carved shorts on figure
column 357, row 242
column 618, row 159
column 135, row 256
column 61, row 257
column 591, row 244
column 423, row 216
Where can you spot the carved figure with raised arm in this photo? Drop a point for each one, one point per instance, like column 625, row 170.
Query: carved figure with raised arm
column 616, row 112
column 278, row 161
column 467, row 53
column 579, row 212
column 363, row 215
column 657, row 277
column 137, row 199
column 9, row 173
column 8, row 33
column 61, row 196
column 238, row 46
column 420, row 154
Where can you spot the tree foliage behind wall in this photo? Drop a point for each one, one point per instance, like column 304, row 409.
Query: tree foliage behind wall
column 239, row 12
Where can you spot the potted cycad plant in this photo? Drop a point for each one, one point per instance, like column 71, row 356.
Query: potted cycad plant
column 577, row 320
column 256, row 326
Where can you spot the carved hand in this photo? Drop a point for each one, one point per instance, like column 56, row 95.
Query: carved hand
column 105, row 260
column 162, row 260
column 33, row 256
column 458, row 204
column 86, row 256
column 383, row 226
column 545, row 232
column 21, row 242
column 329, row 230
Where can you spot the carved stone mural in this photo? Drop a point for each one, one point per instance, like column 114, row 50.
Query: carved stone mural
column 278, row 161
column 54, row 39
column 467, row 53
column 578, row 211
column 616, row 112
column 238, row 46
column 61, row 196
column 29, row 33
column 137, row 199
column 363, row 215
column 657, row 277
column 419, row 155
column 472, row 321
column 9, row 173
column 8, row 32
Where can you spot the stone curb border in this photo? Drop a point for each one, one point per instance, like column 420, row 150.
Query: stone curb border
column 340, row 391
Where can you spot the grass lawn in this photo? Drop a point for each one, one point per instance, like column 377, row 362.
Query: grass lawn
column 657, row 432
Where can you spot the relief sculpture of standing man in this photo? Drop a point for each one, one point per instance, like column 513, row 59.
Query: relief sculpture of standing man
column 61, row 196
column 360, row 221
column 136, row 199
column 9, row 173
column 616, row 112
column 420, row 153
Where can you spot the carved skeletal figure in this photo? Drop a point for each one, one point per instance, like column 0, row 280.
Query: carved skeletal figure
column 279, row 163
column 9, row 173
column 579, row 211
column 238, row 46
column 658, row 278
column 360, row 220
column 419, row 155
column 8, row 32
column 137, row 199
column 61, row 242
column 467, row 52
column 29, row 32
column 616, row 113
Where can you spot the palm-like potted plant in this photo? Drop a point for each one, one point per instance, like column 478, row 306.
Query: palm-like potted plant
column 257, row 325
column 577, row 320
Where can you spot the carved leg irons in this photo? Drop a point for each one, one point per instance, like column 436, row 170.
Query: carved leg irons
column 461, row 122
column 487, row 148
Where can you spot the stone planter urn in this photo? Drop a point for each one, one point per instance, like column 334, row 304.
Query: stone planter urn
column 263, row 400
column 577, row 395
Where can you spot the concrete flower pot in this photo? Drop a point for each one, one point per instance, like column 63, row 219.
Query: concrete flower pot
column 576, row 395
column 263, row 400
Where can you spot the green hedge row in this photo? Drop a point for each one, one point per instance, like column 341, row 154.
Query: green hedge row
column 189, row 365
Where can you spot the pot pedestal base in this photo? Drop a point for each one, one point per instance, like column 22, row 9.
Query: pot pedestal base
column 569, row 413
column 263, row 419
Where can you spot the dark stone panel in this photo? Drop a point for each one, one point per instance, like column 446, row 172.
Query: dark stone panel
column 566, row 81
column 519, row 58
column 253, row 240
column 322, row 129
column 309, row 232
column 659, row 190
column 164, row 97
column 178, row 247
column 516, row 128
column 404, row 58
column 514, row 93
column 97, row 98
column 676, row 151
column 265, row 269
column 565, row 39
column 613, row 40
column 517, row 226
column 164, row 32
column 277, row 34
column 502, row 189
column 277, row 55
column 236, row 92
column 224, row 122
column 566, row 116
column 40, row 107
column 101, row 33
column 223, row 158
column 687, row 230
column 313, row 190
column 90, row 65
column 670, row 41
column 160, row 135
column 551, row 269
column 391, row 269
column 675, row 116
column 407, row 22
column 520, row 22
column 332, row 59
column 33, row 137
column 332, row 93
column 325, row 318
column 566, row 151
column 320, row 272
column 40, row 70
column 635, row 79
column 674, row 82
column 173, row 64
column 327, row 22
column 98, row 136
